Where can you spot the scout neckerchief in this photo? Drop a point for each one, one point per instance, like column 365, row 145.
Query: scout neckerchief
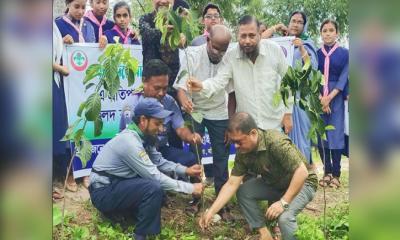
column 92, row 17
column 326, row 66
column 78, row 30
column 125, row 37
column 135, row 128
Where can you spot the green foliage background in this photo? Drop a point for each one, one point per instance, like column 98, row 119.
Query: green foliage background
column 269, row 11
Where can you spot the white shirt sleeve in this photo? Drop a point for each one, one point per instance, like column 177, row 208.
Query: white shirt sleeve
column 221, row 80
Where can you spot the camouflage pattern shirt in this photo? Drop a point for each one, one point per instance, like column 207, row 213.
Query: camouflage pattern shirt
column 276, row 158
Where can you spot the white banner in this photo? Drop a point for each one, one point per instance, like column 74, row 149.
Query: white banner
column 78, row 57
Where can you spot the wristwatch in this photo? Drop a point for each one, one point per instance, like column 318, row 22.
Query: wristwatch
column 285, row 205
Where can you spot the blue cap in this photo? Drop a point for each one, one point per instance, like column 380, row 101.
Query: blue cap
column 151, row 107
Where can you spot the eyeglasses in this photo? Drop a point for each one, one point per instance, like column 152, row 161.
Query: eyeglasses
column 212, row 16
column 297, row 22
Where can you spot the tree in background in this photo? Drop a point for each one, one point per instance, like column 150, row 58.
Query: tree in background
column 274, row 11
column 269, row 12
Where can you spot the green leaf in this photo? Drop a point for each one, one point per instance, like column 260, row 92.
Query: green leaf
column 57, row 216
column 80, row 110
column 164, row 32
column 198, row 117
column 181, row 75
column 188, row 123
column 176, row 39
column 112, row 79
column 98, row 126
column 133, row 64
column 176, row 20
column 126, row 55
column 290, row 73
column 89, row 86
column 307, row 64
column 329, row 127
column 324, row 136
column 92, row 71
column 93, row 107
column 131, row 77
column 170, row 40
column 78, row 136
column 107, row 52
column 277, row 99
column 85, row 151
column 68, row 134
column 303, row 104
column 114, row 86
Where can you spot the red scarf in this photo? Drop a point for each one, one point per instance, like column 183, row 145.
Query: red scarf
column 78, row 30
column 124, row 37
column 90, row 15
column 326, row 66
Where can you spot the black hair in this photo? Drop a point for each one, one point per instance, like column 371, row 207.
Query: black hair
column 248, row 19
column 303, row 15
column 180, row 4
column 122, row 4
column 211, row 6
column 154, row 67
column 136, row 119
column 326, row 21
column 241, row 122
column 66, row 3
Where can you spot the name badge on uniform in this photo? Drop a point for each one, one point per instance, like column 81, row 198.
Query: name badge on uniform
column 143, row 155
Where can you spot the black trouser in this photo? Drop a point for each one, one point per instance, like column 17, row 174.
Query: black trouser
column 141, row 196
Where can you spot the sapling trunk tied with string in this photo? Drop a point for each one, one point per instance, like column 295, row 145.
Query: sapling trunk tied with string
column 177, row 29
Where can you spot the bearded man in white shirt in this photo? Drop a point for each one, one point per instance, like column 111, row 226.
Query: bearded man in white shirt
column 255, row 69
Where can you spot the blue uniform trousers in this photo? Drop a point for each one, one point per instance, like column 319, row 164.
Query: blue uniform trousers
column 142, row 197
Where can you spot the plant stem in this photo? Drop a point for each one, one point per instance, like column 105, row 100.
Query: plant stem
column 65, row 186
column 323, row 162
column 193, row 130
column 141, row 6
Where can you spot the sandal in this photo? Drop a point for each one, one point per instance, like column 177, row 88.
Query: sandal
column 335, row 183
column 325, row 181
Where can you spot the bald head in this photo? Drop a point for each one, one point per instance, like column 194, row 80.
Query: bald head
column 241, row 122
column 220, row 33
column 217, row 43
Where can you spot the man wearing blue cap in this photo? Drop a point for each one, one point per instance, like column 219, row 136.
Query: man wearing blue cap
column 128, row 174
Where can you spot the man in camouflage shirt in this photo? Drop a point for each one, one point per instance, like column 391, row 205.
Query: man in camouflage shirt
column 271, row 168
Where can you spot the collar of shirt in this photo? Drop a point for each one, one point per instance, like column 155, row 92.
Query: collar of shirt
column 261, row 145
column 132, row 126
column 141, row 94
column 262, row 47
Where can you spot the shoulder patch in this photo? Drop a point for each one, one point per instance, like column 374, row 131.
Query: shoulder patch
column 143, row 155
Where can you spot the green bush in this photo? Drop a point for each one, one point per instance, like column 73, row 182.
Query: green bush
column 337, row 224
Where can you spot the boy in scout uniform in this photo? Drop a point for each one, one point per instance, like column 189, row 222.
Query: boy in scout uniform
column 275, row 170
